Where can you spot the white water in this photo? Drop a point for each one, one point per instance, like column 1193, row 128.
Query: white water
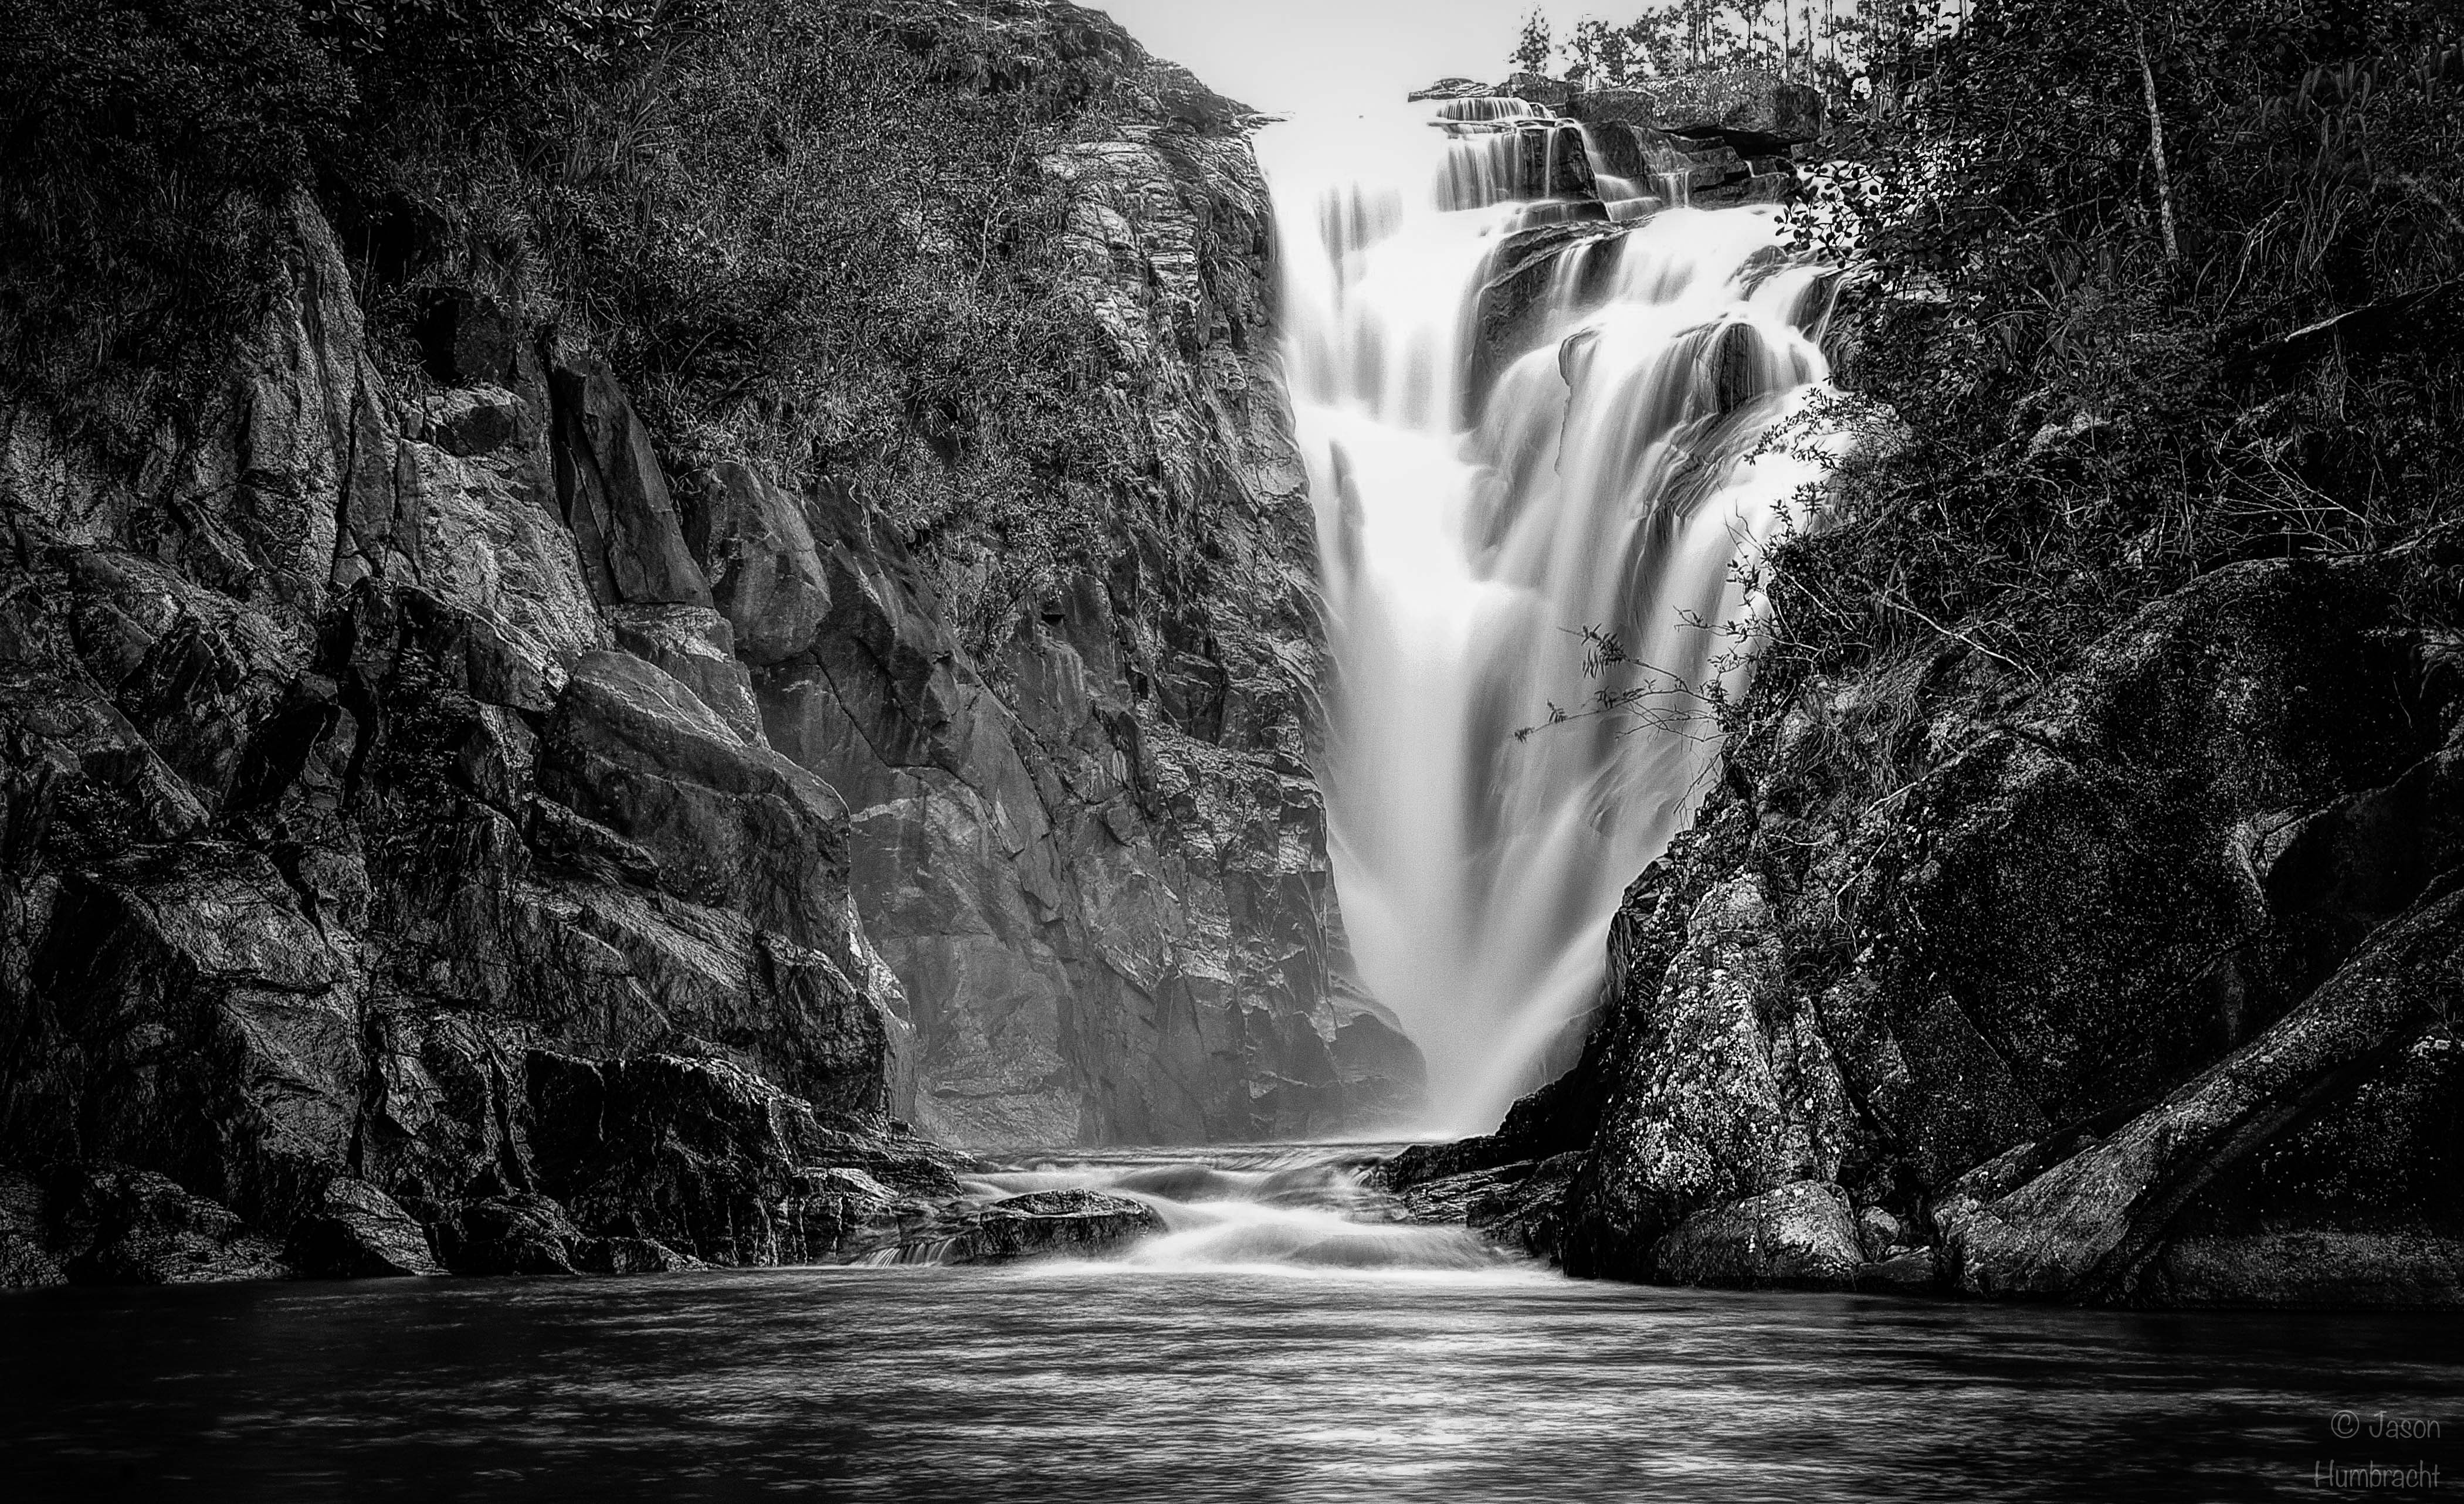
column 1287, row 1208
column 1605, row 484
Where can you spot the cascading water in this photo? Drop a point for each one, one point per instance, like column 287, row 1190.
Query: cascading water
column 1474, row 519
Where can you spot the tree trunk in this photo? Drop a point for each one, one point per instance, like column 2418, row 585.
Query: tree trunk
column 2156, row 147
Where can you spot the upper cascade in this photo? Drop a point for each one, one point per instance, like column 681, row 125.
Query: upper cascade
column 1517, row 436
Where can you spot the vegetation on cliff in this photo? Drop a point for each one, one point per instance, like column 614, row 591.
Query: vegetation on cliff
column 796, row 243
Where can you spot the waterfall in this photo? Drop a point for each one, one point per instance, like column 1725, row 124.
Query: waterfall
column 1475, row 514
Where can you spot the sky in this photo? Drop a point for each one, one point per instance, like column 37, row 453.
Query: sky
column 1311, row 56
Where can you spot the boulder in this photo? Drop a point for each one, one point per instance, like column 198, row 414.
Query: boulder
column 117, row 1226
column 1798, row 1235
column 631, row 1256
column 1738, row 1095
column 359, row 1232
column 1079, row 1224
column 2090, row 1223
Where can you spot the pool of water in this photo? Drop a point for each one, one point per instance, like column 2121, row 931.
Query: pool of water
column 1064, row 1382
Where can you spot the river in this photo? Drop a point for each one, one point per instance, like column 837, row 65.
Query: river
column 1204, row 1365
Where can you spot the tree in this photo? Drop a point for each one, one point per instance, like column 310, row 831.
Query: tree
column 1538, row 44
column 1589, row 49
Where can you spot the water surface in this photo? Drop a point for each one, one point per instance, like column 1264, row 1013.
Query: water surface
column 1136, row 1381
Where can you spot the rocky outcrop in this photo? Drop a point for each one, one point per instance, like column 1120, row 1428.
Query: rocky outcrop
column 2126, row 985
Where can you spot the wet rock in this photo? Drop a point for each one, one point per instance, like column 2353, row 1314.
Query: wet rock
column 711, row 1159
column 631, row 1256
column 1799, row 1236
column 1077, row 1223
column 1908, row 1272
column 2338, row 1270
column 117, row 1226
column 361, row 1232
column 523, row 1233
column 1452, row 1198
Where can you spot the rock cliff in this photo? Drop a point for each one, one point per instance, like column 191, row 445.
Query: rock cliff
column 435, row 834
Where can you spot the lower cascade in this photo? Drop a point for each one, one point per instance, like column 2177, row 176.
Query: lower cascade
column 1295, row 1207
column 1547, row 422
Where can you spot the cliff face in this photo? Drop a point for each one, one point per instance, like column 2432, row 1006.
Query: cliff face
column 433, row 826
column 1098, row 861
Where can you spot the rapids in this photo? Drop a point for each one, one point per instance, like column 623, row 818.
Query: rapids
column 1475, row 516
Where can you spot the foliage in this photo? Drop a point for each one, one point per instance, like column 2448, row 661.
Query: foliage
column 145, row 148
column 801, row 245
column 1534, row 46
column 2094, row 419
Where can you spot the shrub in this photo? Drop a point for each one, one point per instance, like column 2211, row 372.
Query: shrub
column 144, row 144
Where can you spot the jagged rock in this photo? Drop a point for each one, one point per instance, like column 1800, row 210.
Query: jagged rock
column 523, row 1233
column 694, row 646
column 359, row 1233
column 1797, row 1236
column 117, row 1226
column 325, row 802
column 614, row 494
column 731, row 824
column 764, row 568
column 192, row 1015
column 2114, row 983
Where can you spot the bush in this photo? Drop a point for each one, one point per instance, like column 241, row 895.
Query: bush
column 2099, row 411
column 143, row 147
